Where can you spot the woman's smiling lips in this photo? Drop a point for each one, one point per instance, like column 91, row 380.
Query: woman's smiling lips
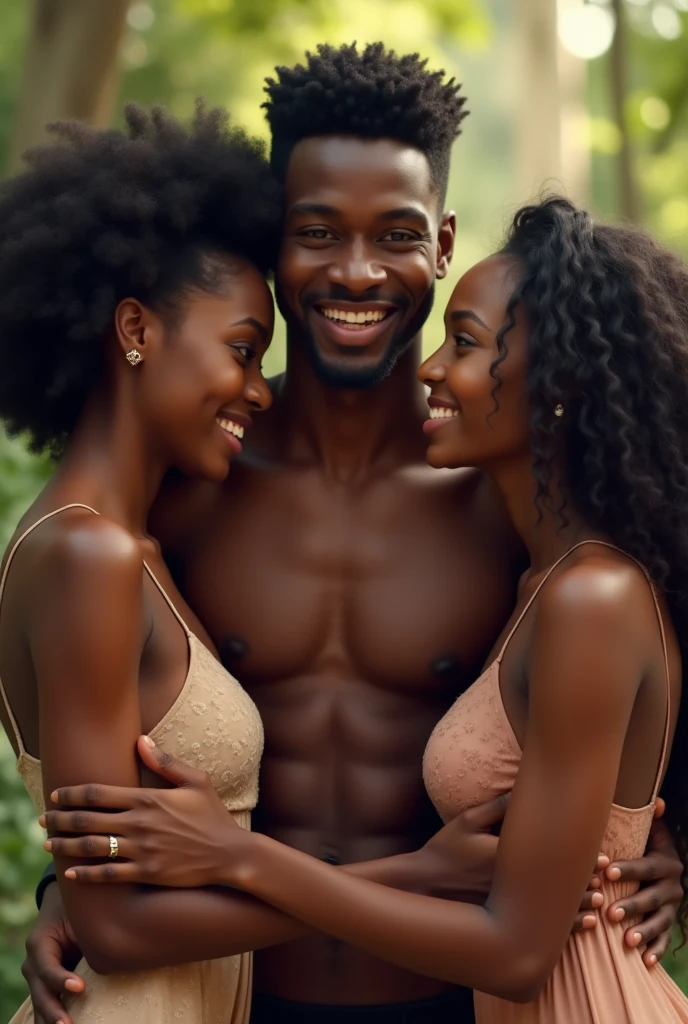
column 441, row 411
column 233, row 425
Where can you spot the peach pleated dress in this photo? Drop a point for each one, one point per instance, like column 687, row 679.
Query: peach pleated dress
column 213, row 725
column 472, row 756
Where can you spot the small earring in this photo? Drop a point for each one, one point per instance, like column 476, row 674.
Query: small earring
column 559, row 410
column 134, row 356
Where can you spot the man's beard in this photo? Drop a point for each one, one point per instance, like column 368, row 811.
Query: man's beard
column 336, row 375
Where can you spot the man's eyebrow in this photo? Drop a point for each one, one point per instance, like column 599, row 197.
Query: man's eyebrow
column 467, row 314
column 250, row 321
column 312, row 210
column 407, row 213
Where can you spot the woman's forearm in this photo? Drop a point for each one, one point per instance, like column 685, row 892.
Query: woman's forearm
column 396, row 872
column 454, row 942
column 161, row 927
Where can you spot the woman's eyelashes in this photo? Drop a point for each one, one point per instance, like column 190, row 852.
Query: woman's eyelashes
column 245, row 350
column 463, row 341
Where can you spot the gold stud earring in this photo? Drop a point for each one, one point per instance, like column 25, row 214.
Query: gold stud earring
column 134, row 356
column 559, row 410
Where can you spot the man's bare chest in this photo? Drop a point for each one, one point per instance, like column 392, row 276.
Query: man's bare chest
column 389, row 586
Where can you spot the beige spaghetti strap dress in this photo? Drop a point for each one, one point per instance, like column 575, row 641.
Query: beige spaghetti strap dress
column 472, row 756
column 214, row 725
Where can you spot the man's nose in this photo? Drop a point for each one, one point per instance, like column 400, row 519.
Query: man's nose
column 357, row 269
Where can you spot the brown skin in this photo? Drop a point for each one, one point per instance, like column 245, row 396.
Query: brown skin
column 331, row 573
column 339, row 630
column 592, row 639
column 139, row 422
column 87, row 673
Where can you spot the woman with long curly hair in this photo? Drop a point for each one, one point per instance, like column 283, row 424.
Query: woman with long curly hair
column 564, row 375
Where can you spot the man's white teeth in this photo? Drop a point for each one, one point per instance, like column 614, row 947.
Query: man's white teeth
column 369, row 316
column 231, row 427
column 441, row 413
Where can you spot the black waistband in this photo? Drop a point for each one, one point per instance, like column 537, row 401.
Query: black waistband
column 454, row 1008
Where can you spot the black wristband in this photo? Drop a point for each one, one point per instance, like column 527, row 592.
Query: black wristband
column 48, row 877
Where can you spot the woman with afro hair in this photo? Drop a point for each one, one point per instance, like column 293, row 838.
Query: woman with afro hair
column 134, row 314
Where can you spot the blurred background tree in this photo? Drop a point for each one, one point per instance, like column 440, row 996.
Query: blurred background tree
column 591, row 95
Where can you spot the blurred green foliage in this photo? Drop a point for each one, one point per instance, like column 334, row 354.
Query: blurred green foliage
column 657, row 118
column 175, row 50
column 21, row 855
column 22, row 860
column 21, row 477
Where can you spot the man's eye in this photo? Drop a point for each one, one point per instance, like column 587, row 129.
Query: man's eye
column 318, row 233
column 400, row 236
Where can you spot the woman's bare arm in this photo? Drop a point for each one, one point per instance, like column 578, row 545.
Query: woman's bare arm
column 86, row 638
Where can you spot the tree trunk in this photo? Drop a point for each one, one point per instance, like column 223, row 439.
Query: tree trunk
column 628, row 189
column 538, row 123
column 550, row 107
column 71, row 67
column 575, row 150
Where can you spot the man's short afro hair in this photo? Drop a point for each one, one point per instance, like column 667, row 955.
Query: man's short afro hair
column 373, row 94
column 105, row 214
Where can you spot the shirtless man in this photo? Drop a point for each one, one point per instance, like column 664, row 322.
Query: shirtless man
column 353, row 590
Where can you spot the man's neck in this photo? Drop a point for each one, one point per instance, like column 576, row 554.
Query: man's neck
column 352, row 433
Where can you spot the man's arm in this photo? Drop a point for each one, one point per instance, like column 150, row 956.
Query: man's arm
column 659, row 873
column 47, row 878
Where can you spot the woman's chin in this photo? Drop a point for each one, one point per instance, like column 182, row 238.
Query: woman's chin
column 213, row 470
column 438, row 457
column 441, row 456
column 219, row 472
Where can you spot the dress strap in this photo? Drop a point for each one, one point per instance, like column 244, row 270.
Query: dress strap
column 10, row 557
column 539, row 587
column 662, row 633
column 167, row 599
column 3, row 580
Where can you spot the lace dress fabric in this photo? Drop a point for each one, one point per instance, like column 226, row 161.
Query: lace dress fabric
column 474, row 755
column 213, row 725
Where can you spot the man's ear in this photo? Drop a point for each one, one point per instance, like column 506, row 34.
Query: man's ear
column 445, row 244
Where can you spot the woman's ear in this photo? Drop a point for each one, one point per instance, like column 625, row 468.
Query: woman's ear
column 137, row 329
